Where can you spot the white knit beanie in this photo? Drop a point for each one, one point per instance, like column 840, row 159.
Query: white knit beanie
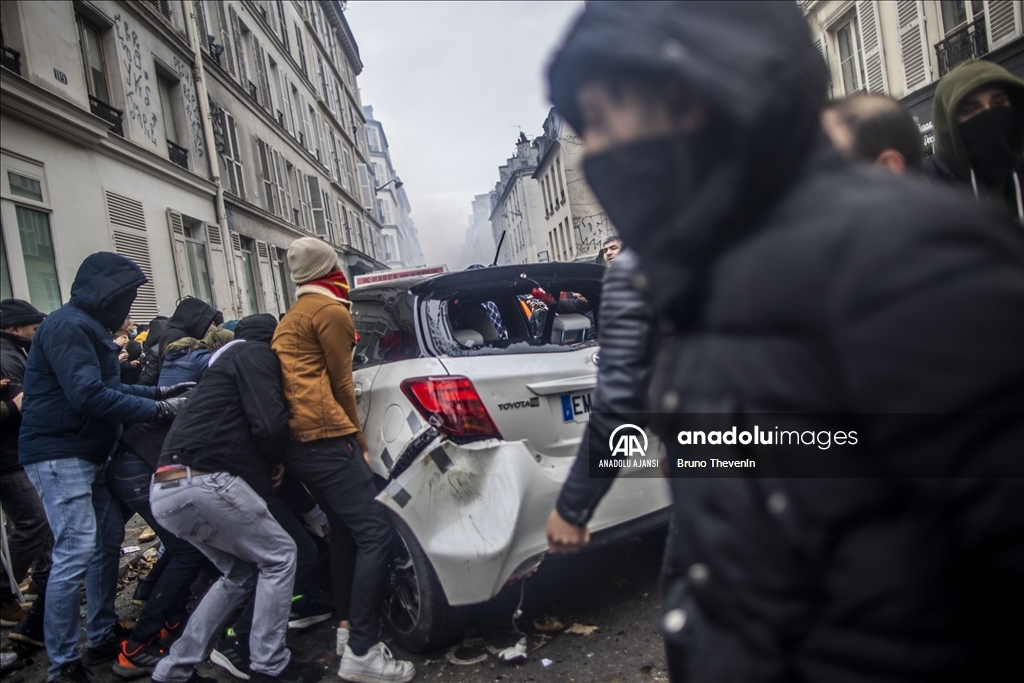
column 310, row 258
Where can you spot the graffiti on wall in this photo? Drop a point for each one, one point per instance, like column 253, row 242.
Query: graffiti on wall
column 138, row 91
column 188, row 96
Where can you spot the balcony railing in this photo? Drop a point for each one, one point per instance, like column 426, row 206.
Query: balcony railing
column 177, row 154
column 969, row 42
column 253, row 92
column 108, row 114
column 280, row 118
column 10, row 59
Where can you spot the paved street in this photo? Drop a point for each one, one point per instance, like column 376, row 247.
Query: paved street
column 614, row 588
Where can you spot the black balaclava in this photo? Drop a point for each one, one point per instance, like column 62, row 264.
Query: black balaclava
column 986, row 137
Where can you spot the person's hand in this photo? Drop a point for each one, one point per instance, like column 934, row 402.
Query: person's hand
column 564, row 537
column 4, row 382
column 17, row 400
column 134, row 364
column 122, row 357
column 167, row 410
column 173, row 390
column 276, row 477
column 121, row 341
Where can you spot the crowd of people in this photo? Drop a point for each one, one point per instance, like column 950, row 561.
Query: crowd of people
column 775, row 253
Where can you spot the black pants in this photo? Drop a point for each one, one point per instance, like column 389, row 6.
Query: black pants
column 342, row 483
column 128, row 478
column 30, row 539
column 304, row 560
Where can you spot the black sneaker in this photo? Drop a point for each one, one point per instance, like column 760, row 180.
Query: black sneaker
column 29, row 631
column 74, row 673
column 136, row 660
column 295, row 672
column 103, row 652
column 306, row 612
column 232, row 655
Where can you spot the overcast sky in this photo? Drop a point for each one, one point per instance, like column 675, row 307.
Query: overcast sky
column 452, row 82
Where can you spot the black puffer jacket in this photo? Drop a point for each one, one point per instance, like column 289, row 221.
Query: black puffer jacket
column 797, row 283
column 151, row 351
column 623, row 378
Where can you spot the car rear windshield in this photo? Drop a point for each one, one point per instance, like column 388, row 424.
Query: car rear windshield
column 512, row 317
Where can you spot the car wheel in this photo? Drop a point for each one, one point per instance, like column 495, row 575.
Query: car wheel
column 415, row 609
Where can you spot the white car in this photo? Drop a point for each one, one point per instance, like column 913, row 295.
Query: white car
column 473, row 416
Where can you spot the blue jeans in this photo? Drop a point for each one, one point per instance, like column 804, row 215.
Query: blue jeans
column 87, row 533
column 222, row 516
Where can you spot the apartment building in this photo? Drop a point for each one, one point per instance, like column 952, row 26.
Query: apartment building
column 517, row 213
column 198, row 138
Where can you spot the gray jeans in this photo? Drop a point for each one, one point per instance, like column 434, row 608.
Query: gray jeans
column 223, row 517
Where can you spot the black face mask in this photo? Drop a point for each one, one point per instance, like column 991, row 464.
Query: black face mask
column 986, row 137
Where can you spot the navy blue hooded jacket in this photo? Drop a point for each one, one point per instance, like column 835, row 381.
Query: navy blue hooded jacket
column 74, row 401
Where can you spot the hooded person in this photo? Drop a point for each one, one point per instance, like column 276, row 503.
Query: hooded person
column 978, row 118
column 788, row 280
column 151, row 351
column 29, row 537
column 191, row 319
column 74, row 407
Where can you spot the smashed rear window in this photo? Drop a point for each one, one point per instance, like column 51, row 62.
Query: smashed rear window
column 517, row 315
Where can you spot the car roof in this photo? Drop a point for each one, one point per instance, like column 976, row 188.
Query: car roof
column 495, row 275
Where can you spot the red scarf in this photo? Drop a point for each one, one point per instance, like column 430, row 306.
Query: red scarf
column 335, row 283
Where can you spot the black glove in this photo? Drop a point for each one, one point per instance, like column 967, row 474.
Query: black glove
column 173, row 390
column 166, row 410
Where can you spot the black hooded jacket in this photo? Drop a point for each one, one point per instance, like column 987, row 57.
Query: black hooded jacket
column 13, row 356
column 192, row 318
column 151, row 351
column 798, row 283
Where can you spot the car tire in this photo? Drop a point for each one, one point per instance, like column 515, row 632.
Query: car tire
column 414, row 607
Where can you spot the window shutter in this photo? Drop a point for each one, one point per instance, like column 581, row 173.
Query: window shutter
column 220, row 283
column 177, row 228
column 316, row 200
column 308, row 142
column 263, row 153
column 130, row 238
column 261, row 75
column 913, row 44
column 367, row 188
column 236, row 35
column 204, row 28
column 1004, row 22
column 225, row 38
column 267, row 285
column 871, row 43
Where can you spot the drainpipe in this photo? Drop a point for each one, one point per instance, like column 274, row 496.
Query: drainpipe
column 199, row 78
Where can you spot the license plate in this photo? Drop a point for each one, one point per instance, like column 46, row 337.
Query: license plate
column 576, row 407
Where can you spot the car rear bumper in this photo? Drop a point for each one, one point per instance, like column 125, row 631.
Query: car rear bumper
column 480, row 511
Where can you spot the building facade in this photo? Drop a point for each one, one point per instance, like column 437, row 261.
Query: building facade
column 401, row 242
column 479, row 245
column 518, row 209
column 198, row 138
column 903, row 48
column 575, row 223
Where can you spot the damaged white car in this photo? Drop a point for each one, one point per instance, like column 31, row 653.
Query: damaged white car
column 475, row 396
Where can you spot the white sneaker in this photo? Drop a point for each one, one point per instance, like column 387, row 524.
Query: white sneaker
column 342, row 641
column 378, row 665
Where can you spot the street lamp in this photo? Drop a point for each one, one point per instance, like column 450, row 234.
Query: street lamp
column 398, row 183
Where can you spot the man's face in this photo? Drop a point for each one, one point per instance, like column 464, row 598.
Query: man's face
column 610, row 251
column 985, row 97
column 26, row 332
column 622, row 118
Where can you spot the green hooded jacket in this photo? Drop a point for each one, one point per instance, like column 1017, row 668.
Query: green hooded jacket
column 952, row 90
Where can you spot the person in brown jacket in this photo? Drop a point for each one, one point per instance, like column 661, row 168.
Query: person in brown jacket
column 315, row 342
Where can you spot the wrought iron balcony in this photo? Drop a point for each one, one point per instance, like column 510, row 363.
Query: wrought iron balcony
column 969, row 42
column 253, row 92
column 177, row 154
column 280, row 118
column 10, row 59
column 108, row 114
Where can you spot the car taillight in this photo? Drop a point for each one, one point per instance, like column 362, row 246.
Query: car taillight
column 452, row 405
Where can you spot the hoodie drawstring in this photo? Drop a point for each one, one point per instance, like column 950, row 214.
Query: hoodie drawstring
column 974, row 184
column 1020, row 201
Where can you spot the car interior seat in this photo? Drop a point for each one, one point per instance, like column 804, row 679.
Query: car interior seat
column 471, row 317
column 569, row 328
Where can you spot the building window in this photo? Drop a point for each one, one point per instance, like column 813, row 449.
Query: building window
column 40, row 264
column 232, row 157
column 167, row 107
column 850, row 62
column 248, row 267
column 92, row 56
column 958, row 13
column 284, row 275
column 195, row 255
column 302, row 50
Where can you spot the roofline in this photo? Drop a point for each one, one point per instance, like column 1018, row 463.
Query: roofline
column 348, row 40
column 540, row 164
column 508, row 186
